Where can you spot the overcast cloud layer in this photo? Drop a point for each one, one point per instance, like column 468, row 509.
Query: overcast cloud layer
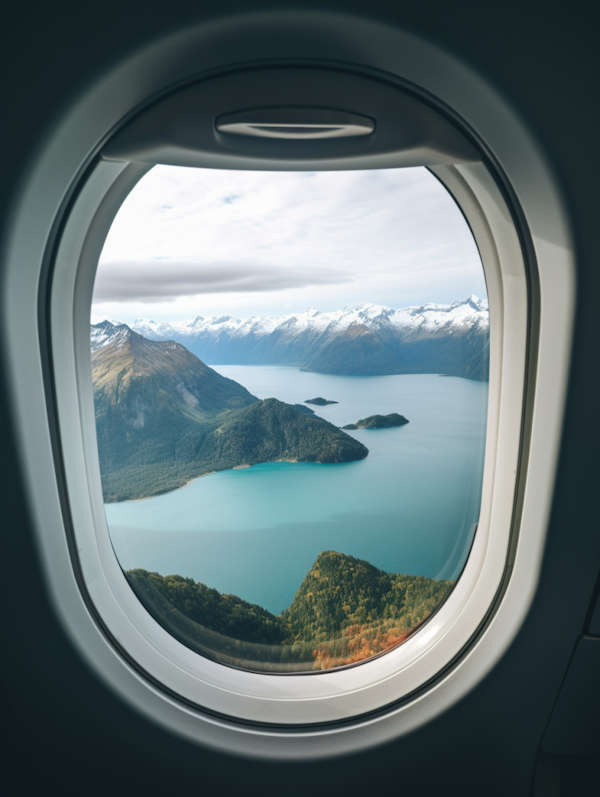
column 210, row 242
column 120, row 281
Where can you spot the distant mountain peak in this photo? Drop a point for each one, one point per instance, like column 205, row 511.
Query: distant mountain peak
column 475, row 302
column 107, row 332
column 303, row 339
column 370, row 312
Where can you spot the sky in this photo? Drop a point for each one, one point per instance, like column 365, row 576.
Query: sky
column 210, row 242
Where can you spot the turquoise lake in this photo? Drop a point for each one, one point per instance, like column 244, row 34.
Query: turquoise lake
column 410, row 507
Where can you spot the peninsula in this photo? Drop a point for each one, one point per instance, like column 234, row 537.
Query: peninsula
column 163, row 418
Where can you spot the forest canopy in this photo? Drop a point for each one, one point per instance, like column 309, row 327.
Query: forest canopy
column 345, row 611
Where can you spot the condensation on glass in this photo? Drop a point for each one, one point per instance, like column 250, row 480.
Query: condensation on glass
column 290, row 385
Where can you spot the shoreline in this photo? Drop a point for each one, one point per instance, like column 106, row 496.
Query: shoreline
column 202, row 475
column 148, row 497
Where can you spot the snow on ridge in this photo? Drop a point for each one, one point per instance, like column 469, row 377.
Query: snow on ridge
column 107, row 332
column 426, row 319
column 472, row 311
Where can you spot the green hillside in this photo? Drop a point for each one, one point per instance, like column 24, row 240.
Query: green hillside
column 357, row 351
column 163, row 418
column 345, row 611
column 270, row 430
column 477, row 366
column 360, row 351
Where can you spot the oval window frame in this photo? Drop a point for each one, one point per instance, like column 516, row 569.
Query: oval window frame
column 324, row 697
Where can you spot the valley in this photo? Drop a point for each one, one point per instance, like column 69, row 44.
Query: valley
column 408, row 507
column 164, row 418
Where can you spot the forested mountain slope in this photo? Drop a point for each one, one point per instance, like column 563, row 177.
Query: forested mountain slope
column 163, row 417
column 346, row 610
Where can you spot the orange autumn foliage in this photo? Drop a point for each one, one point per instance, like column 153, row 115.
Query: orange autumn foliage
column 361, row 642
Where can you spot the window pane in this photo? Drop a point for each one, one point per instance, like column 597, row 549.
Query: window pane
column 291, row 400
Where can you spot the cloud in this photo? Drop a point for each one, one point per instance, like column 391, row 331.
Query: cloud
column 166, row 280
column 209, row 241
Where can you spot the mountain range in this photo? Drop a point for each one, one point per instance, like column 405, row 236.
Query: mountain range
column 163, row 418
column 345, row 611
column 365, row 340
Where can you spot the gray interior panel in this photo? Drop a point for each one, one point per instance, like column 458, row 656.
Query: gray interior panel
column 574, row 727
column 186, row 128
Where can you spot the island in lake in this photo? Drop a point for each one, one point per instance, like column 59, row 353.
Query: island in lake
column 378, row 422
column 345, row 611
column 163, row 418
column 320, row 402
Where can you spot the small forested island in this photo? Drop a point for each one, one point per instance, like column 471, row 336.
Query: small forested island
column 320, row 402
column 345, row 611
column 163, row 418
column 378, row 422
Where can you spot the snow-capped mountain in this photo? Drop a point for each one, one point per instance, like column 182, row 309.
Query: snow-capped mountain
column 427, row 317
column 367, row 339
column 108, row 332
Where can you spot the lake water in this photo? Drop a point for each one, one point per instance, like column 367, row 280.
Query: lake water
column 410, row 507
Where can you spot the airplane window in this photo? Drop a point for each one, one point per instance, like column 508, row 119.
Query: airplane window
column 290, row 375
